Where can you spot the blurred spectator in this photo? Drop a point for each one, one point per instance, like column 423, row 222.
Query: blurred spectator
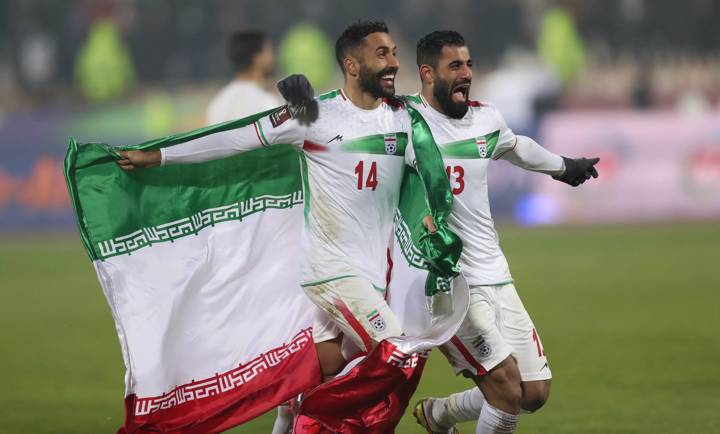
column 521, row 87
column 642, row 97
column 37, row 59
column 307, row 50
column 251, row 54
column 560, row 44
column 104, row 68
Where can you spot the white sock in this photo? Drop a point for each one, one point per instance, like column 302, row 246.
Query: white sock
column 284, row 420
column 494, row 421
column 458, row 407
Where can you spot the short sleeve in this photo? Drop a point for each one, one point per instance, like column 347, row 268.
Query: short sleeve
column 279, row 127
column 506, row 138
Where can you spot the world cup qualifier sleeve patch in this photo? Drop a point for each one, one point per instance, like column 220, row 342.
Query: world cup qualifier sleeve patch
column 280, row 115
column 376, row 321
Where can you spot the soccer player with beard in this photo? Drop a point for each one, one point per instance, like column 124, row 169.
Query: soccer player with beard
column 355, row 153
column 497, row 345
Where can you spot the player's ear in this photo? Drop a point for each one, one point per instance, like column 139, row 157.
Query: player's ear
column 427, row 74
column 350, row 65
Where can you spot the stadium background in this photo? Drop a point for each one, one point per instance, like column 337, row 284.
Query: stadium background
column 620, row 275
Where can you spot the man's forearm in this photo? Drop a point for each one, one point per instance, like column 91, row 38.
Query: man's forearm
column 213, row 146
column 531, row 156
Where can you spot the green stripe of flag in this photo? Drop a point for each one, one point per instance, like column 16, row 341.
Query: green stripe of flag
column 163, row 203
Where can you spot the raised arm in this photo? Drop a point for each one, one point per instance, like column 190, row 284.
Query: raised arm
column 286, row 125
column 210, row 147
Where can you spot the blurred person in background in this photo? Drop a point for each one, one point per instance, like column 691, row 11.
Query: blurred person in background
column 251, row 54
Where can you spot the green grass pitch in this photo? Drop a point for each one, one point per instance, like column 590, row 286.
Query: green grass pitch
column 629, row 317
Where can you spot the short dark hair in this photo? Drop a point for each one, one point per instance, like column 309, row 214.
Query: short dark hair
column 430, row 46
column 242, row 46
column 353, row 35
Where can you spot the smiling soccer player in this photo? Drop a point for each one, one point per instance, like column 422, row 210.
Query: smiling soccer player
column 355, row 151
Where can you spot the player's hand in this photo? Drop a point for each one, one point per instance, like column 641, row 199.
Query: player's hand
column 296, row 89
column 300, row 95
column 429, row 224
column 132, row 159
column 578, row 170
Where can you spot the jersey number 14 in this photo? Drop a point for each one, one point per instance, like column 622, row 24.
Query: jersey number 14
column 371, row 181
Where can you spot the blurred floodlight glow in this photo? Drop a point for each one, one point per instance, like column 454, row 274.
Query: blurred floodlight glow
column 537, row 209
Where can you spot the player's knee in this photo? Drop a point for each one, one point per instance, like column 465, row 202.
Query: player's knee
column 509, row 387
column 503, row 388
column 535, row 395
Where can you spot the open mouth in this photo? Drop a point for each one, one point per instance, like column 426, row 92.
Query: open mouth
column 461, row 92
column 387, row 79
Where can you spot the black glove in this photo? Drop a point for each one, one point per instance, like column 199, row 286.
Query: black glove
column 296, row 89
column 578, row 170
column 299, row 93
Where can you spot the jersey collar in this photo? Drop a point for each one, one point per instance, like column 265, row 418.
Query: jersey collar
column 361, row 112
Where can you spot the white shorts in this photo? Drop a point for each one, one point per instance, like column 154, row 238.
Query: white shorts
column 353, row 306
column 497, row 326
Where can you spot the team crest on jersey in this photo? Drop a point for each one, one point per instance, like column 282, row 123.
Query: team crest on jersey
column 376, row 321
column 280, row 115
column 390, row 144
column 482, row 148
column 482, row 347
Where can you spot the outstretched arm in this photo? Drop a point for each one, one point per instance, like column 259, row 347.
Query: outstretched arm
column 531, row 156
column 296, row 90
column 210, row 147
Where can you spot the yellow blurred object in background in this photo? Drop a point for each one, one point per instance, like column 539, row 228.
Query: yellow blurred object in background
column 306, row 49
column 103, row 68
column 559, row 44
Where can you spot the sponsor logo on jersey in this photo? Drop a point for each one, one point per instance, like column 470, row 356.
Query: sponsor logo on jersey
column 376, row 321
column 390, row 144
column 279, row 116
column 338, row 138
column 482, row 148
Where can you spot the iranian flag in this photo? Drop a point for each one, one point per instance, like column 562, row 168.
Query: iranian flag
column 199, row 264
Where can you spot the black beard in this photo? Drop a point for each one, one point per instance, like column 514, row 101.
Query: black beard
column 443, row 95
column 370, row 82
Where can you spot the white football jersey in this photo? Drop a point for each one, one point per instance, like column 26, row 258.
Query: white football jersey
column 355, row 164
column 467, row 146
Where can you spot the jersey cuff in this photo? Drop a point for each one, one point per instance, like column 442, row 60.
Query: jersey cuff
column 259, row 132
